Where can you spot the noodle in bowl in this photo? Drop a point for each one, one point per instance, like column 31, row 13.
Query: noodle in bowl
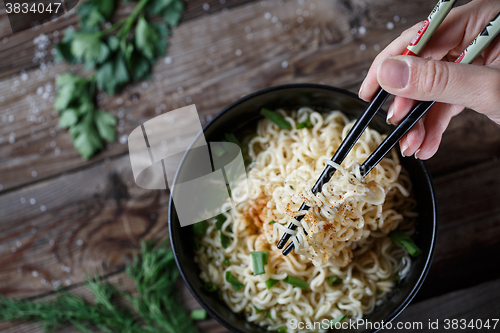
column 346, row 226
column 348, row 264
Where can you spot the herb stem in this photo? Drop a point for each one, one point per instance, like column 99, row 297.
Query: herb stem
column 112, row 28
column 131, row 19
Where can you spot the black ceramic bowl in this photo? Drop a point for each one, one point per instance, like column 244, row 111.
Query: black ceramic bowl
column 321, row 97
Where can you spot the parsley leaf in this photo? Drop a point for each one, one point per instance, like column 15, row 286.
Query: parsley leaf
column 116, row 55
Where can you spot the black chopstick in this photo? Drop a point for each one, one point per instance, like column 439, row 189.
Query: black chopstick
column 385, row 147
column 430, row 25
column 341, row 153
column 468, row 56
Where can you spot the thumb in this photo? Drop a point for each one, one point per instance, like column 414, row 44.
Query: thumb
column 471, row 86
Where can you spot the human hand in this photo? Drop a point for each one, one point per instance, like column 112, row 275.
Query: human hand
column 435, row 77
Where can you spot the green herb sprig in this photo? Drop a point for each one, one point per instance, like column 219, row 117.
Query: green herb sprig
column 122, row 53
column 155, row 308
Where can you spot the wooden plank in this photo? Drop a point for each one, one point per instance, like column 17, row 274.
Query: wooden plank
column 471, row 138
column 56, row 232
column 203, row 68
column 469, row 229
column 18, row 51
column 476, row 303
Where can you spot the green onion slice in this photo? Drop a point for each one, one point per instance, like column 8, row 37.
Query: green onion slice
column 338, row 319
column 227, row 262
column 271, row 282
column 230, row 137
column 259, row 259
column 224, row 240
column 272, row 222
column 210, row 286
column 281, row 329
column 296, row 282
column 237, row 285
column 334, row 280
column 257, row 309
column 403, row 240
column 276, row 118
column 305, row 124
column 199, row 314
column 220, row 219
column 200, row 228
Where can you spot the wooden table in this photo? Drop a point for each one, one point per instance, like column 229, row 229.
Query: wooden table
column 62, row 218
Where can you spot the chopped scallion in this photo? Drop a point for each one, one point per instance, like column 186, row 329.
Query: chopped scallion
column 217, row 150
column 259, row 259
column 230, row 137
column 200, row 228
column 224, row 240
column 210, row 286
column 227, row 262
column 334, row 280
column 276, row 118
column 257, row 309
column 403, row 240
column 271, row 282
column 267, row 314
column 305, row 124
column 337, row 320
column 199, row 314
column 281, row 329
column 272, row 222
column 237, row 285
column 291, row 187
column 220, row 219
column 296, row 282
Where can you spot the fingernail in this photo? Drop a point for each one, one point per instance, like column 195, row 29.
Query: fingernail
column 416, row 157
column 404, row 146
column 393, row 73
column 390, row 113
column 360, row 90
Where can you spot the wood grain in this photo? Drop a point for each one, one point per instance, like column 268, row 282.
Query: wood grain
column 19, row 52
column 62, row 218
column 55, row 233
column 476, row 303
column 204, row 70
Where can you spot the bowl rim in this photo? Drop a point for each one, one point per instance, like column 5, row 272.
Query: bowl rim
column 425, row 170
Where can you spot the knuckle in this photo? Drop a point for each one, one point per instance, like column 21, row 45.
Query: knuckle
column 433, row 78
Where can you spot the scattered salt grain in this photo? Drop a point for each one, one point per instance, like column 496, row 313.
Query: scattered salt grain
column 33, row 201
column 389, row 25
column 34, row 273
column 238, row 52
column 284, row 64
column 206, row 6
column 362, row 30
column 362, row 47
column 167, row 60
column 43, row 208
column 123, row 139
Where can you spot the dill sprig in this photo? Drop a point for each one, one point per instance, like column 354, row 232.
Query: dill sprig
column 154, row 308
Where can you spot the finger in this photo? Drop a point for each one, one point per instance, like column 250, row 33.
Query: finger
column 370, row 85
column 459, row 29
column 468, row 19
column 413, row 139
column 475, row 87
column 399, row 109
column 436, row 121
